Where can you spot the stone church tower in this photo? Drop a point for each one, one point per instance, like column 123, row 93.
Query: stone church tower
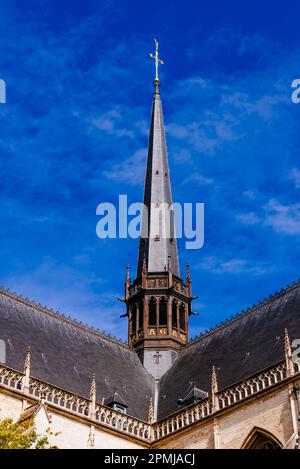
column 158, row 300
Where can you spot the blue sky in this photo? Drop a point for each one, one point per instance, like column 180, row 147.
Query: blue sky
column 74, row 134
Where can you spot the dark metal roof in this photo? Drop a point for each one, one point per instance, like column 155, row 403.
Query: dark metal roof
column 238, row 349
column 157, row 191
column 65, row 354
column 194, row 394
column 114, row 398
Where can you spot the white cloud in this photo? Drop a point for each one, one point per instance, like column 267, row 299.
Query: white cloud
column 111, row 122
column 283, row 218
column 233, row 266
column 182, row 156
column 197, row 135
column 248, row 218
column 295, row 177
column 131, row 170
column 249, row 194
column 264, row 106
column 198, row 178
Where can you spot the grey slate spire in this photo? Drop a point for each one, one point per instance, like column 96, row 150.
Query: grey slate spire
column 157, row 249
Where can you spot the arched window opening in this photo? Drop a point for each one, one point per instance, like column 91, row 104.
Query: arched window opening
column 174, row 315
column 182, row 317
column 133, row 318
column 141, row 315
column 261, row 439
column 152, row 312
column 268, row 444
column 163, row 312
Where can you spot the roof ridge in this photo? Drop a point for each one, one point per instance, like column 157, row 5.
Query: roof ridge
column 58, row 315
column 272, row 297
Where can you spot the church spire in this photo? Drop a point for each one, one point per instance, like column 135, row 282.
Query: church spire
column 158, row 243
column 158, row 301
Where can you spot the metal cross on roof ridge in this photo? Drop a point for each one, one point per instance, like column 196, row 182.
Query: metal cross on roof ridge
column 157, row 356
column 157, row 59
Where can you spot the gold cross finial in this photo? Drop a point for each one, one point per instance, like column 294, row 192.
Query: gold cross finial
column 157, row 59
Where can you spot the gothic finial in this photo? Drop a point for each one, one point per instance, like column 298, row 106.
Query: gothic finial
column 27, row 362
column 157, row 61
column 127, row 282
column 144, row 272
column 214, row 380
column 188, row 274
column 27, row 365
column 93, row 392
column 288, row 354
column 287, row 345
column 144, row 265
column 214, row 389
column 150, row 412
column 188, row 281
column 93, row 388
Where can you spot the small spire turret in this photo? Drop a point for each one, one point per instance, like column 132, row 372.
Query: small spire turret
column 93, row 392
column 288, row 354
column 214, row 389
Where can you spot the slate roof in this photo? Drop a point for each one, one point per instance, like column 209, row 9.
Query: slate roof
column 65, row 354
column 240, row 348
